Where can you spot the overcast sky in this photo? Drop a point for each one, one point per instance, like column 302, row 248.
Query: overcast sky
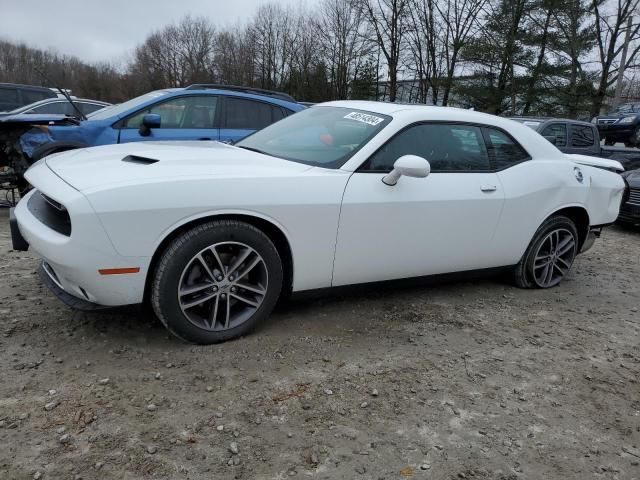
column 97, row 30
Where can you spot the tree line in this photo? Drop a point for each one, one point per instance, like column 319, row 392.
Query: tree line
column 542, row 57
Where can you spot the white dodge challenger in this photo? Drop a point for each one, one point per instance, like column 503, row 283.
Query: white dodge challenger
column 211, row 235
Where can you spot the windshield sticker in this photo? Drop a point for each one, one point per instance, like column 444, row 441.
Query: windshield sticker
column 365, row 118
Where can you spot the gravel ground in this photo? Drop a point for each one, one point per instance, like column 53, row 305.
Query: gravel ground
column 473, row 379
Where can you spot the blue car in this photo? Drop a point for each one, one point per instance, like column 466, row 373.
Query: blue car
column 197, row 112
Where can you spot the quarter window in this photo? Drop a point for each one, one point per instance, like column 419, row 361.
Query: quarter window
column 582, row 136
column 557, row 131
column 183, row 112
column 447, row 147
column 504, row 151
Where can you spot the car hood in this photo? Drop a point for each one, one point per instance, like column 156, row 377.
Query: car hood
column 617, row 115
column 598, row 162
column 101, row 167
column 36, row 118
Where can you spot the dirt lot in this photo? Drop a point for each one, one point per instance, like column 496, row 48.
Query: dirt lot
column 475, row 380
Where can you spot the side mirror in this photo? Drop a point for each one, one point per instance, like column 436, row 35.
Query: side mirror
column 551, row 139
column 409, row 166
column 149, row 121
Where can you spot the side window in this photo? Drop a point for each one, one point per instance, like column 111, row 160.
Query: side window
column 447, row 147
column 9, row 95
column 183, row 112
column 582, row 136
column 54, row 107
column 278, row 113
column 88, row 108
column 29, row 96
column 244, row 114
column 504, row 151
column 557, row 131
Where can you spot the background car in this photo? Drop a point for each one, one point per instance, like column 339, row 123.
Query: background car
column 580, row 138
column 621, row 125
column 197, row 112
column 341, row 193
column 58, row 106
column 13, row 95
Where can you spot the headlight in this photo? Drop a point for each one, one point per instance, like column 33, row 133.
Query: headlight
column 627, row 120
column 594, row 120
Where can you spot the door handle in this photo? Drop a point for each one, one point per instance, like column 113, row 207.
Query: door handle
column 205, row 138
column 488, row 188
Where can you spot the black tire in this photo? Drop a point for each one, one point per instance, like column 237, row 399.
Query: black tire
column 608, row 142
column 180, row 253
column 524, row 276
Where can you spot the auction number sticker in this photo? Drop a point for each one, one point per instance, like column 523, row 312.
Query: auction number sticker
column 364, row 117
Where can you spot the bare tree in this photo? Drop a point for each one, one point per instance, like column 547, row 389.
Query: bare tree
column 340, row 29
column 611, row 18
column 388, row 19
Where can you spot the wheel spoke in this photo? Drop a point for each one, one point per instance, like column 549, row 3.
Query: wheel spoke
column 228, row 312
column 248, row 301
column 566, row 246
column 214, row 313
column 248, row 268
column 252, row 288
column 214, row 252
column 194, row 288
column 198, row 301
column 205, row 266
column 564, row 262
column 239, row 260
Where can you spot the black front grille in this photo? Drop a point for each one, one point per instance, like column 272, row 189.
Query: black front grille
column 634, row 196
column 50, row 212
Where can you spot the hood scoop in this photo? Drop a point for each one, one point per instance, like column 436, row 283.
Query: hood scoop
column 139, row 160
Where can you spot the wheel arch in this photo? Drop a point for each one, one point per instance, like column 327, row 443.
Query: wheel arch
column 269, row 227
column 54, row 147
column 579, row 216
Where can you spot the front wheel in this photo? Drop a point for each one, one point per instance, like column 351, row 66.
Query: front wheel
column 550, row 254
column 216, row 281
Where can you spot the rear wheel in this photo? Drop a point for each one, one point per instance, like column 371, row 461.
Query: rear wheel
column 550, row 255
column 216, row 281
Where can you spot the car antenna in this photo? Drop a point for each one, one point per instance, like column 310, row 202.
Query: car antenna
column 64, row 94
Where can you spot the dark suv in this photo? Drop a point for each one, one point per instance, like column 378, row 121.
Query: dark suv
column 13, row 96
column 620, row 125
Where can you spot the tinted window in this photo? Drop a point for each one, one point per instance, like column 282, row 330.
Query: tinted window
column 504, row 150
column 88, row 108
column 246, row 114
column 447, row 147
column 557, row 131
column 8, row 95
column 29, row 96
column 184, row 112
column 56, row 108
column 581, row 136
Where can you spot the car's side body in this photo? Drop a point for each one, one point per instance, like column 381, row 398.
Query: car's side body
column 340, row 226
column 14, row 95
column 58, row 106
column 192, row 113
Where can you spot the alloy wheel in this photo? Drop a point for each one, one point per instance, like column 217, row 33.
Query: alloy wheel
column 554, row 257
column 222, row 286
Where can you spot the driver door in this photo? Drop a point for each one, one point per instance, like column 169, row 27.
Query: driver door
column 182, row 118
column 420, row 226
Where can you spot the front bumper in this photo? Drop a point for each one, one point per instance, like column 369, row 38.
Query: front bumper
column 75, row 260
column 629, row 213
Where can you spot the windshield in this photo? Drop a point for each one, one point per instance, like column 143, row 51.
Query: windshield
column 627, row 108
column 114, row 110
column 320, row 136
